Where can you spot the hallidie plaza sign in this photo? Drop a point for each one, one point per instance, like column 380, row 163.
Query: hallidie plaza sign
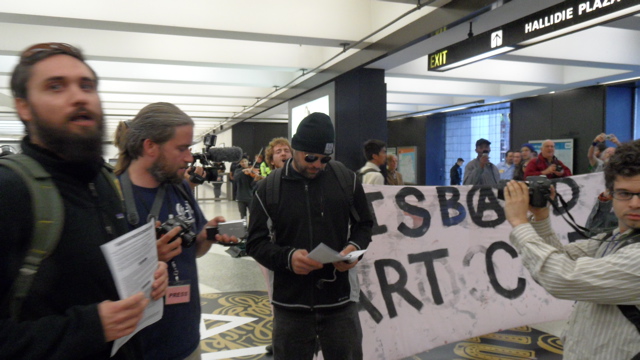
column 563, row 18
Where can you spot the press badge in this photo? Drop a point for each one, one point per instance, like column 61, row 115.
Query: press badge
column 178, row 292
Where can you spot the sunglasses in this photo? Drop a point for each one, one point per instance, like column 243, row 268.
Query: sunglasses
column 44, row 48
column 313, row 158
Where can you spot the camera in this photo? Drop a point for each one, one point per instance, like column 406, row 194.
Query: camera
column 211, row 168
column 539, row 190
column 559, row 167
column 188, row 236
column 237, row 228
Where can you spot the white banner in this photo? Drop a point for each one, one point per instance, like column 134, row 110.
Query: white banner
column 441, row 268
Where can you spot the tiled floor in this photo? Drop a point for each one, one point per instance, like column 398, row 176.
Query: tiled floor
column 220, row 274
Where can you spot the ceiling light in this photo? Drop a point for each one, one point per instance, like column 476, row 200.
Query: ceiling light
column 437, row 110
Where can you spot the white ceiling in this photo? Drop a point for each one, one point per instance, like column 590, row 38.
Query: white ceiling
column 227, row 61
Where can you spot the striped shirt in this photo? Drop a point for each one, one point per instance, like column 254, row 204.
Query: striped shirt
column 598, row 277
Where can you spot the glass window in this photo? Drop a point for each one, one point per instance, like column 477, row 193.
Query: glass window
column 464, row 127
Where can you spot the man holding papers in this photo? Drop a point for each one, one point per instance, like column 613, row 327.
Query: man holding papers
column 312, row 301
column 72, row 309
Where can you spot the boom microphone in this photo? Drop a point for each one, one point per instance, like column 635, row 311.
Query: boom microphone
column 229, row 154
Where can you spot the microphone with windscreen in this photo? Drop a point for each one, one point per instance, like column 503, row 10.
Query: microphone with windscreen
column 225, row 154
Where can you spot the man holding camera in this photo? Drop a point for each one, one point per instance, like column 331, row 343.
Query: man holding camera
column 480, row 171
column 600, row 273
column 72, row 308
column 547, row 164
column 154, row 155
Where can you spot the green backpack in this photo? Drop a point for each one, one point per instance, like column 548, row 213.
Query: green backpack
column 48, row 220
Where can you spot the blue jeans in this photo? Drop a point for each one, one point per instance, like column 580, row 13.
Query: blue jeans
column 338, row 331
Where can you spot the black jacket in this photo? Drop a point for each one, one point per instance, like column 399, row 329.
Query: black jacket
column 310, row 211
column 455, row 174
column 59, row 318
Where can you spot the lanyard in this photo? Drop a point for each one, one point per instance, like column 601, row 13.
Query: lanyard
column 612, row 241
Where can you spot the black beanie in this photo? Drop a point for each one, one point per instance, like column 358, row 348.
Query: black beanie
column 315, row 134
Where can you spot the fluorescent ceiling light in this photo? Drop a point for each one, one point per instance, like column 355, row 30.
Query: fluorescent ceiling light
column 479, row 57
column 621, row 81
column 582, row 26
column 436, row 110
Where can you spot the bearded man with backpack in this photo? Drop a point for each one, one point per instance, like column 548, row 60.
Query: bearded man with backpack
column 311, row 200
column 59, row 300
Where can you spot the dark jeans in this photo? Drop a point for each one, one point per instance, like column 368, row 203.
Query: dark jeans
column 338, row 330
column 242, row 207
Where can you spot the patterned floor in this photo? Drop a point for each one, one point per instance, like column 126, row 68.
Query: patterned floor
column 238, row 325
column 517, row 343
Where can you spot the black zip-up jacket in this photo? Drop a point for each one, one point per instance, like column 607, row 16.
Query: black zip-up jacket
column 310, row 212
column 59, row 317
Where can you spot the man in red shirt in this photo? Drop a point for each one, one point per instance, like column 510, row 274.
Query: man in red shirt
column 547, row 164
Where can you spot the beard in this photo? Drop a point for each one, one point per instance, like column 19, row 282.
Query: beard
column 70, row 146
column 163, row 173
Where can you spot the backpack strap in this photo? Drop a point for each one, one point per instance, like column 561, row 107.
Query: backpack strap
column 48, row 215
column 361, row 174
column 272, row 198
column 347, row 180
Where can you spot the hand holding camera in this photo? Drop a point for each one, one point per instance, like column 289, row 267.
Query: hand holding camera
column 521, row 197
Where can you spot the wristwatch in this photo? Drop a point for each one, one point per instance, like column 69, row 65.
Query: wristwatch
column 595, row 143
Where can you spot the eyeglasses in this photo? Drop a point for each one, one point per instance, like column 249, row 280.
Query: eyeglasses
column 60, row 48
column 624, row 195
column 313, row 158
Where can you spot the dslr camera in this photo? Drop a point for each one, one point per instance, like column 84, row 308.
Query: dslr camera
column 539, row 190
column 211, row 168
column 187, row 235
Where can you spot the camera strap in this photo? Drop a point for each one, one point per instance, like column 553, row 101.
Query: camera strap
column 132, row 212
column 579, row 229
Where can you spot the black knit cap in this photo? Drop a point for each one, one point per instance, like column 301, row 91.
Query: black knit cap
column 315, row 135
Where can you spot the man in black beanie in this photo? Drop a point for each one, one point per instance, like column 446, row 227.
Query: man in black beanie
column 307, row 205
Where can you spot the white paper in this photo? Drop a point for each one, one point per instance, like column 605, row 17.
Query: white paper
column 324, row 254
column 133, row 259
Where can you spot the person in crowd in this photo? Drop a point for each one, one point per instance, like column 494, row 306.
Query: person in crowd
column 375, row 151
column 455, row 173
column 599, row 274
column 265, row 169
column 394, row 177
column 527, row 151
column 518, row 170
column 72, row 309
column 599, row 153
column 547, row 163
column 217, row 185
column 154, row 155
column 278, row 151
column 480, row 171
column 245, row 176
column 312, row 300
column 232, row 169
column 506, row 167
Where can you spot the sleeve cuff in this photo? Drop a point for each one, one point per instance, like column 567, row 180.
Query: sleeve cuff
column 543, row 227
